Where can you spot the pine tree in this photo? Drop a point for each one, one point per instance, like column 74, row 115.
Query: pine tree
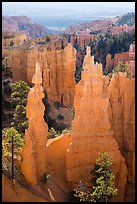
column 12, row 140
column 19, row 100
column 121, row 67
column 103, row 183
column 103, row 179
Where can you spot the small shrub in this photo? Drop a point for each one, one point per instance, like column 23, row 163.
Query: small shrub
column 66, row 131
column 47, row 38
column 45, row 178
column 11, row 43
column 129, row 75
column 52, row 133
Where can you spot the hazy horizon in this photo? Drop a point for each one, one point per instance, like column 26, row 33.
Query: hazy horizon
column 66, row 13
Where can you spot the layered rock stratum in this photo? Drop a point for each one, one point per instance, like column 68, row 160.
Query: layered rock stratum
column 58, row 69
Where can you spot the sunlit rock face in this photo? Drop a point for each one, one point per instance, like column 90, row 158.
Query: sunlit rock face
column 16, row 39
column 58, row 69
column 126, row 57
column 118, row 57
column 122, row 117
column 34, row 151
column 91, row 129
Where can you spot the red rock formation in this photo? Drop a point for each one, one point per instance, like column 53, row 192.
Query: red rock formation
column 58, row 74
column 122, row 101
column 131, row 65
column 17, row 59
column 82, row 40
column 56, row 164
column 91, row 135
column 120, row 57
column 126, row 57
column 73, row 40
column 14, row 192
column 58, row 69
column 34, row 152
column 17, row 39
column 109, row 63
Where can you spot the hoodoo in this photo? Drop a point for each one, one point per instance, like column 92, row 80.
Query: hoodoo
column 91, row 129
column 34, row 151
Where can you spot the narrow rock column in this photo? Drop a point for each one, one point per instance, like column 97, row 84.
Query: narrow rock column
column 34, row 151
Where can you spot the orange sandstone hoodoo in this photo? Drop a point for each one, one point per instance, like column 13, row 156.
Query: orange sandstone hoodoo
column 34, row 151
column 91, row 129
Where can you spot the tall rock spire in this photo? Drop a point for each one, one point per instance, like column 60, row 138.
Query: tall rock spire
column 34, row 151
column 91, row 130
column 37, row 77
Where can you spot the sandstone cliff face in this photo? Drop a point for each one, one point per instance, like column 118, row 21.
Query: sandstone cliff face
column 56, row 164
column 120, row 57
column 111, row 63
column 17, row 39
column 58, row 67
column 91, row 136
column 34, row 152
column 17, row 59
column 122, row 101
column 58, row 63
column 82, row 40
column 126, row 57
